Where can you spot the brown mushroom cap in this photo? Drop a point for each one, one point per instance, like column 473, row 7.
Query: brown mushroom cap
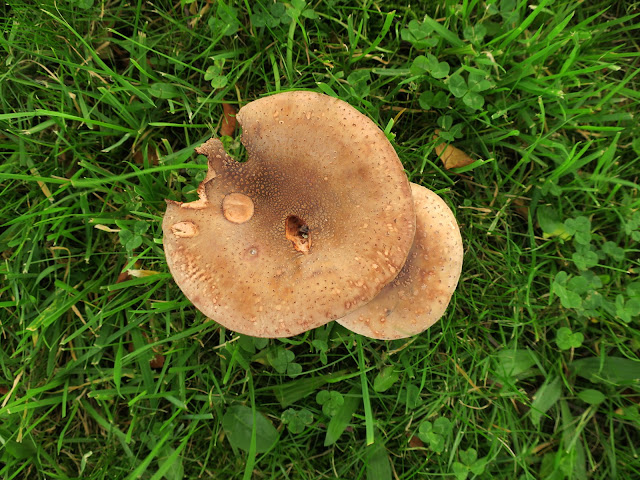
column 328, row 222
column 419, row 295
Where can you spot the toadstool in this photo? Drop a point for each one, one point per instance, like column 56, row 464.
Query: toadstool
column 419, row 295
column 313, row 225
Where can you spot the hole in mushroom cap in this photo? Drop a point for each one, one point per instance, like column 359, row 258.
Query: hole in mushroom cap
column 237, row 207
column 298, row 233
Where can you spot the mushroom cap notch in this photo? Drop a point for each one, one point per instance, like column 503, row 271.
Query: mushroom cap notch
column 419, row 295
column 315, row 223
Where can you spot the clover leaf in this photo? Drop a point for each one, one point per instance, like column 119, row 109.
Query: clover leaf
column 225, row 20
column 475, row 33
column 419, row 35
column 434, row 434
column 132, row 238
column 566, row 339
column 271, row 18
column 215, row 75
column 460, row 89
column 627, row 309
column 457, row 85
column 568, row 297
column 445, row 122
column 613, row 250
column 469, row 462
column 580, row 228
column 584, row 257
column 479, row 82
column 282, row 360
column 299, row 8
column 296, row 420
column 331, row 402
column 322, row 348
column 359, row 80
column 468, row 457
column 460, row 471
column 437, row 69
column 632, row 226
column 419, row 66
column 550, row 223
column 428, row 100
column 473, row 100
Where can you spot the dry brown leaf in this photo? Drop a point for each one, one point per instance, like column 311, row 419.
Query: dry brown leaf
column 451, row 156
column 158, row 359
column 152, row 156
column 521, row 208
column 123, row 277
column 228, row 125
column 415, row 442
column 629, row 395
column 3, row 391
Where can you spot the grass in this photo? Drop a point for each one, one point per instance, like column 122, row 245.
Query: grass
column 532, row 373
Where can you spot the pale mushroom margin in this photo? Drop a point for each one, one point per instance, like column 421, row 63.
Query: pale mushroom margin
column 419, row 295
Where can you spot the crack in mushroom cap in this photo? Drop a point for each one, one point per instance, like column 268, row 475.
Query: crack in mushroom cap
column 419, row 295
column 314, row 158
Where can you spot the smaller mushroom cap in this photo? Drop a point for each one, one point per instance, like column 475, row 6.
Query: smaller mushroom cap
column 419, row 295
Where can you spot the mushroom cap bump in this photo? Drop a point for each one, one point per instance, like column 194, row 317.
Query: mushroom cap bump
column 313, row 225
column 419, row 295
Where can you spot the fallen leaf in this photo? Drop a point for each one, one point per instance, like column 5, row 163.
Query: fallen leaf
column 521, row 208
column 158, row 359
column 228, row 125
column 123, row 277
column 4, row 390
column 415, row 442
column 631, row 396
column 152, row 156
column 451, row 156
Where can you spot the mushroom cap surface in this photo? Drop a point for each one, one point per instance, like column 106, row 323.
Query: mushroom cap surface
column 419, row 295
column 331, row 219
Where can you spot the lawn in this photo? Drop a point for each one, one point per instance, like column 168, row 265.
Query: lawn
column 108, row 371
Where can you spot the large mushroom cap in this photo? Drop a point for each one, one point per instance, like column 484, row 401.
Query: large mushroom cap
column 419, row 295
column 312, row 226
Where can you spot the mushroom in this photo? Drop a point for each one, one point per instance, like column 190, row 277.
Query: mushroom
column 419, row 295
column 316, row 222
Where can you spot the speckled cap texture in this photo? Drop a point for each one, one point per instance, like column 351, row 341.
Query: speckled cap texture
column 316, row 160
column 419, row 295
